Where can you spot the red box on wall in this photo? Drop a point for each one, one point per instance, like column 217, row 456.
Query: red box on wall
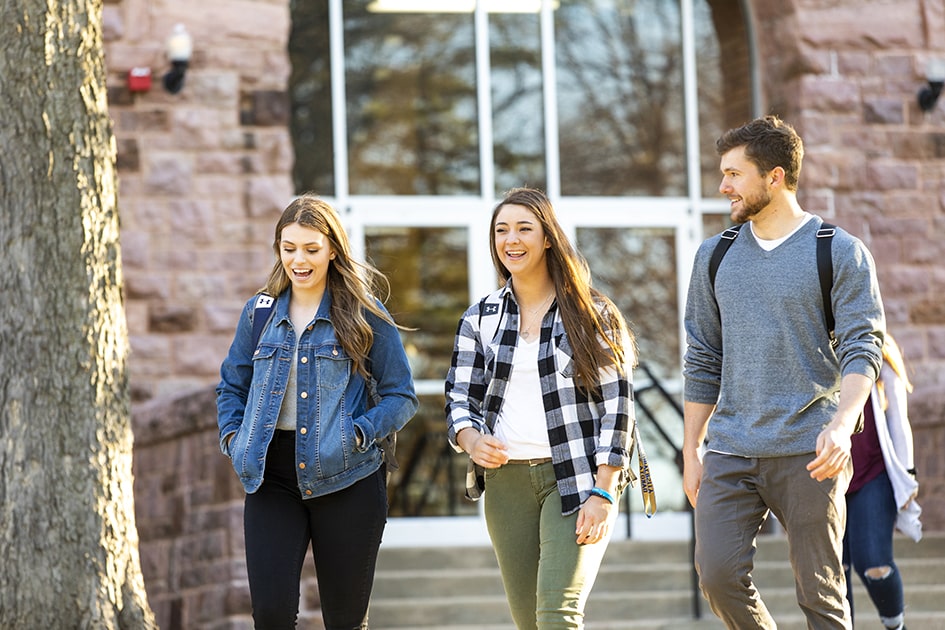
column 139, row 79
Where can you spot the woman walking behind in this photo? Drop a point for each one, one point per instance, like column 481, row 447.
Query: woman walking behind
column 539, row 395
column 301, row 408
column 882, row 493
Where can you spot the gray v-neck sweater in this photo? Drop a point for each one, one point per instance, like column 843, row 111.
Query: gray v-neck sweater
column 773, row 375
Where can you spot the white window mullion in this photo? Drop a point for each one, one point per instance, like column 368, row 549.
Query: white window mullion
column 484, row 97
column 339, row 119
column 478, row 258
column 550, row 90
column 688, row 237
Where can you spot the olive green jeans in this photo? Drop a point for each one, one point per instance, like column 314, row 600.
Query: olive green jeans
column 546, row 574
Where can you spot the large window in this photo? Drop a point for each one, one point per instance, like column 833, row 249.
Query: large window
column 621, row 119
column 414, row 117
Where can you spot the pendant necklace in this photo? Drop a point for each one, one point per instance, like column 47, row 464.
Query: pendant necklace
column 526, row 332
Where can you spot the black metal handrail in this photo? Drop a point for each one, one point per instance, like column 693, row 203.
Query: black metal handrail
column 655, row 385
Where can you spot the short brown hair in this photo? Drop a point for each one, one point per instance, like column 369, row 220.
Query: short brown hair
column 769, row 142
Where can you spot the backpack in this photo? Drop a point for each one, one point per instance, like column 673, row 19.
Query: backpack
column 262, row 313
column 490, row 313
column 824, row 266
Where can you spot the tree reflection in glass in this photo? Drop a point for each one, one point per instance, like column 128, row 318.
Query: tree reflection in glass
column 620, row 98
column 410, row 84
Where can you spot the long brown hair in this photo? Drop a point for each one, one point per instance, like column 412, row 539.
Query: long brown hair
column 892, row 354
column 588, row 315
column 353, row 284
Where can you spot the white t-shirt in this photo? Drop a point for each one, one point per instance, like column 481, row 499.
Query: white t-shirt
column 769, row 245
column 521, row 423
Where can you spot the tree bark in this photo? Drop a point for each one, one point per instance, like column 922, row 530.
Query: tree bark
column 67, row 531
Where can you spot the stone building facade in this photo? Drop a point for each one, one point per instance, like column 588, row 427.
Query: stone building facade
column 204, row 173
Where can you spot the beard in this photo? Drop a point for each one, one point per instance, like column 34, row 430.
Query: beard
column 751, row 206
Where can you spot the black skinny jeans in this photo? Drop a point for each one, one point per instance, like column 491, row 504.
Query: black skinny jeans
column 344, row 529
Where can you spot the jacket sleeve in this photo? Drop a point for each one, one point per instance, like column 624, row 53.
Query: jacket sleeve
column 617, row 414
column 396, row 397
column 236, row 376
column 465, row 386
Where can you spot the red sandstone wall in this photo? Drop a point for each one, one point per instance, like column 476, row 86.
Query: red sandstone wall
column 189, row 511
column 203, row 177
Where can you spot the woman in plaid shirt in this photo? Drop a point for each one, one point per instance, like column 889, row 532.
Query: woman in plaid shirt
column 539, row 394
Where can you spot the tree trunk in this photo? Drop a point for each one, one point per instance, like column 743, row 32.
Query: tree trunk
column 68, row 541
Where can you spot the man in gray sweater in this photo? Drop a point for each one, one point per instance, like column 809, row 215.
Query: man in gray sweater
column 770, row 402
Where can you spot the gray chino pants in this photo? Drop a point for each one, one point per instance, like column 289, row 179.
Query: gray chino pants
column 734, row 499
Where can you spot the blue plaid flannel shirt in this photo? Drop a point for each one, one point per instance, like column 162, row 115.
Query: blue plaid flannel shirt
column 583, row 433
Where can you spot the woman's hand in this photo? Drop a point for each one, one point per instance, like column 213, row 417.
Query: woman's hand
column 486, row 450
column 594, row 520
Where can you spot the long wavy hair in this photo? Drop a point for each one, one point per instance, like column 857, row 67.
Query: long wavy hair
column 353, row 284
column 596, row 329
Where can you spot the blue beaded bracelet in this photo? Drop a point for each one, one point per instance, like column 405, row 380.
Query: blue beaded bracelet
column 600, row 492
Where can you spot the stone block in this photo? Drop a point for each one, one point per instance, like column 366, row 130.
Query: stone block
column 134, row 249
column 268, row 196
column 144, row 120
column 928, row 311
column 829, row 94
column 855, row 62
column 237, row 597
column 884, row 175
column 846, row 25
column 203, row 354
column 923, row 251
column 222, row 319
column 169, row 174
column 127, row 157
column 113, row 25
column 220, row 162
column 883, row 111
column 171, row 319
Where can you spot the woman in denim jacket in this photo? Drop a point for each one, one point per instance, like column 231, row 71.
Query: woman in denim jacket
column 300, row 415
column 542, row 403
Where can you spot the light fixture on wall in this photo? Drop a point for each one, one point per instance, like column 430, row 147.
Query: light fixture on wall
column 935, row 75
column 179, row 49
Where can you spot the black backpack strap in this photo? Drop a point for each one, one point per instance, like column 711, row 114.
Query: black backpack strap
column 262, row 311
column 728, row 237
column 825, row 271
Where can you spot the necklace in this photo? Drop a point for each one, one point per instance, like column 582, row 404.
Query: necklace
column 533, row 312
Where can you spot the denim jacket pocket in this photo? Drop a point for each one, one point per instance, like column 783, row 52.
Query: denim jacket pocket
column 333, row 366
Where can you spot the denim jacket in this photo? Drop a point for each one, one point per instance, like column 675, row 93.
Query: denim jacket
column 332, row 406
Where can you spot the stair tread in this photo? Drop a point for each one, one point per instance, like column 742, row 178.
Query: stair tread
column 645, row 585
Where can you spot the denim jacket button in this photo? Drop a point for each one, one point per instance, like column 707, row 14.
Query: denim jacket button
column 304, row 359
column 303, row 430
column 303, row 395
column 334, row 352
column 302, row 465
column 308, row 492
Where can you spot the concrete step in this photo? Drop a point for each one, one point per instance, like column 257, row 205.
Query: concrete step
column 642, row 584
